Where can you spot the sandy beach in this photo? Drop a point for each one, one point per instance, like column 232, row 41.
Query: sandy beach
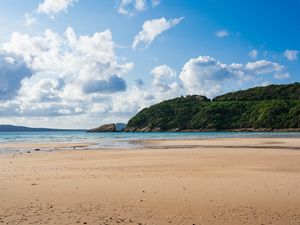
column 216, row 181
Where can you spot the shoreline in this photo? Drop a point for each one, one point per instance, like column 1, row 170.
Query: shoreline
column 29, row 147
column 176, row 130
column 150, row 143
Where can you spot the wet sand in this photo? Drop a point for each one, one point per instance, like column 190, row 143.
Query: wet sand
column 54, row 146
column 216, row 181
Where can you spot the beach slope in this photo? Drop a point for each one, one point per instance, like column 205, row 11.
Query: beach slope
column 216, row 181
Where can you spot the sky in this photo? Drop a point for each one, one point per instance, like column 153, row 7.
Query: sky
column 83, row 63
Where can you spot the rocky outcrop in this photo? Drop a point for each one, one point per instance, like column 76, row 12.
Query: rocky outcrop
column 104, row 128
column 112, row 127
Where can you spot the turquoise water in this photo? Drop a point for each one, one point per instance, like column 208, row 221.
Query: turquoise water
column 123, row 140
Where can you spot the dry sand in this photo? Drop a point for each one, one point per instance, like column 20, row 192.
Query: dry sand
column 217, row 181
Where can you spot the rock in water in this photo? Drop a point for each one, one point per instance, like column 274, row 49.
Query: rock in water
column 113, row 127
column 105, row 128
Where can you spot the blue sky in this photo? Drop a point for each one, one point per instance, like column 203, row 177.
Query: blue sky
column 80, row 63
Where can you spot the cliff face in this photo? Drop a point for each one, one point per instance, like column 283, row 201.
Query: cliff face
column 271, row 108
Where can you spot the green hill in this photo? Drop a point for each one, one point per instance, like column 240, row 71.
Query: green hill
column 275, row 107
column 272, row 92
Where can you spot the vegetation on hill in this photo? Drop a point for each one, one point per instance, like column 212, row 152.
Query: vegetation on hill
column 272, row 92
column 274, row 107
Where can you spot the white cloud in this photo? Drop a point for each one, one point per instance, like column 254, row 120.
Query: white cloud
column 12, row 72
column 155, row 2
column 204, row 75
column 138, row 97
column 129, row 7
column 29, row 19
column 253, row 54
column 263, row 67
column 132, row 101
column 52, row 7
column 165, row 85
column 68, row 73
column 207, row 76
column 140, row 5
column 282, row 75
column 80, row 77
column 291, row 54
column 152, row 29
column 222, row 33
column 265, row 83
column 44, row 90
column 164, row 77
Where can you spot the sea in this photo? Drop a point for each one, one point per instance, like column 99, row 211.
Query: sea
column 121, row 140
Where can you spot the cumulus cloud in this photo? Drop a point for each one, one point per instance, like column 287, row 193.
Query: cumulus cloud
column 65, row 74
column 12, row 72
column 129, row 7
column 132, row 101
column 165, row 85
column 222, row 33
column 253, row 54
column 73, row 76
column 152, row 29
column 204, row 75
column 164, row 77
column 138, row 97
column 282, row 75
column 155, row 2
column 263, row 67
column 139, row 83
column 44, row 90
column 112, row 85
column 29, row 19
column 207, row 76
column 52, row 7
column 291, row 54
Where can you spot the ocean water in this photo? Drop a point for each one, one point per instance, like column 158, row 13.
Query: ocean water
column 119, row 140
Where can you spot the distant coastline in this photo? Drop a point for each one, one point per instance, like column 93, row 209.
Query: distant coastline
column 12, row 128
